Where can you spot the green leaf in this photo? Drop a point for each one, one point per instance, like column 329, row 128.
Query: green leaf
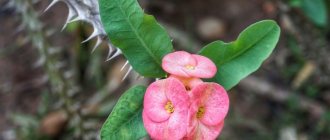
column 295, row 3
column 125, row 121
column 141, row 39
column 315, row 10
column 238, row 59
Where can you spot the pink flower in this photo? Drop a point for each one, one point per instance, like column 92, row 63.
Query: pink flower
column 184, row 64
column 208, row 109
column 183, row 106
column 165, row 112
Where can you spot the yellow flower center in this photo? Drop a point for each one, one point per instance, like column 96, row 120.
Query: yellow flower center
column 200, row 112
column 190, row 67
column 169, row 107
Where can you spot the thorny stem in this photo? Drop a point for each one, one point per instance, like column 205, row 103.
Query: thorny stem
column 59, row 84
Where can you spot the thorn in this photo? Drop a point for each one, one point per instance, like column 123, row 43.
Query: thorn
column 129, row 70
column 72, row 14
column 140, row 77
column 51, row 5
column 20, row 28
column 39, row 62
column 68, row 74
column 94, row 34
column 122, row 68
column 44, row 79
column 50, row 32
column 54, row 50
column 64, row 26
column 25, row 41
column 35, row 1
column 74, row 20
column 118, row 52
column 97, row 44
column 60, row 65
column 110, row 50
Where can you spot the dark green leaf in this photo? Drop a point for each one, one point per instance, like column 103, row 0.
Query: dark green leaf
column 141, row 39
column 238, row 59
column 295, row 3
column 125, row 121
column 316, row 11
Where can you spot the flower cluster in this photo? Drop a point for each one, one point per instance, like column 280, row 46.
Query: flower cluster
column 182, row 106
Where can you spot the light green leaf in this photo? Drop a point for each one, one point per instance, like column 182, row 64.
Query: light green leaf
column 141, row 39
column 125, row 121
column 238, row 59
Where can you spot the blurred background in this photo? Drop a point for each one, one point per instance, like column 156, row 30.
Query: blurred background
column 53, row 87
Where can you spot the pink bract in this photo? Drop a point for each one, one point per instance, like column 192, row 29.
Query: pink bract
column 184, row 64
column 158, row 121
column 189, row 83
column 208, row 109
column 199, row 131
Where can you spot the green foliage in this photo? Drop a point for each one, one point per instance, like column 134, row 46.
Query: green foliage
column 28, row 127
column 125, row 121
column 295, row 50
column 297, row 60
column 295, row 3
column 311, row 90
column 141, row 39
column 72, row 27
column 315, row 10
column 238, row 59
